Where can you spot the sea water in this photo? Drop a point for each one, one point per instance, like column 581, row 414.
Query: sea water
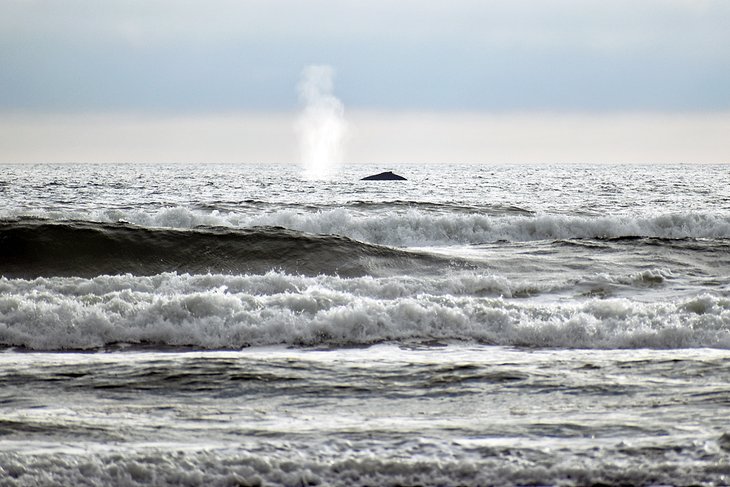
column 473, row 325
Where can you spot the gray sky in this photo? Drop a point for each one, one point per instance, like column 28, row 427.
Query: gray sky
column 232, row 55
column 184, row 60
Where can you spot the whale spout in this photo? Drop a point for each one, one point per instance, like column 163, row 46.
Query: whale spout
column 384, row 176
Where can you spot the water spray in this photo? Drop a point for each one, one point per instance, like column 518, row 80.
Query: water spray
column 321, row 127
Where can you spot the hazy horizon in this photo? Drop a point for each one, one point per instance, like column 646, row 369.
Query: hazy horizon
column 373, row 137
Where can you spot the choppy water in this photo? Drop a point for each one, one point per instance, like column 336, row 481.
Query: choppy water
column 474, row 325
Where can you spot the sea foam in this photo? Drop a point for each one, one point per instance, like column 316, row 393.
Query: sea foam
column 229, row 312
column 346, row 463
column 419, row 228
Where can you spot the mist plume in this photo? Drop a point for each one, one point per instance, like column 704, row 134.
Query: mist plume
column 321, row 127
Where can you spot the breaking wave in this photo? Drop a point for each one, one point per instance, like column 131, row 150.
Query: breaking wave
column 421, row 227
column 425, row 462
column 231, row 312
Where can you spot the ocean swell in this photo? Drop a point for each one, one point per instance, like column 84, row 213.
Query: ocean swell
column 33, row 248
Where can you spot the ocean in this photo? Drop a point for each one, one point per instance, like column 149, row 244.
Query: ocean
column 475, row 325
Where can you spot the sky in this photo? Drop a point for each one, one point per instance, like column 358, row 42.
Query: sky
column 420, row 81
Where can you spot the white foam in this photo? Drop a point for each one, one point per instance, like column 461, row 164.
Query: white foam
column 218, row 311
column 426, row 462
column 419, row 228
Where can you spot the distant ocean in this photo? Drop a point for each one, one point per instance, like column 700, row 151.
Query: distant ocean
column 474, row 325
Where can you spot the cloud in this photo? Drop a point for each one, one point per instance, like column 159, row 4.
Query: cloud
column 527, row 22
column 186, row 56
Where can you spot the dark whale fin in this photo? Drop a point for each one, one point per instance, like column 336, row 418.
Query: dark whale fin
column 384, row 176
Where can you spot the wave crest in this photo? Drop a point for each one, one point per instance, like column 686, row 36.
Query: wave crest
column 419, row 228
column 230, row 312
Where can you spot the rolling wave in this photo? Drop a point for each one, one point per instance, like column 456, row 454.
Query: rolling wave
column 414, row 227
column 32, row 248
